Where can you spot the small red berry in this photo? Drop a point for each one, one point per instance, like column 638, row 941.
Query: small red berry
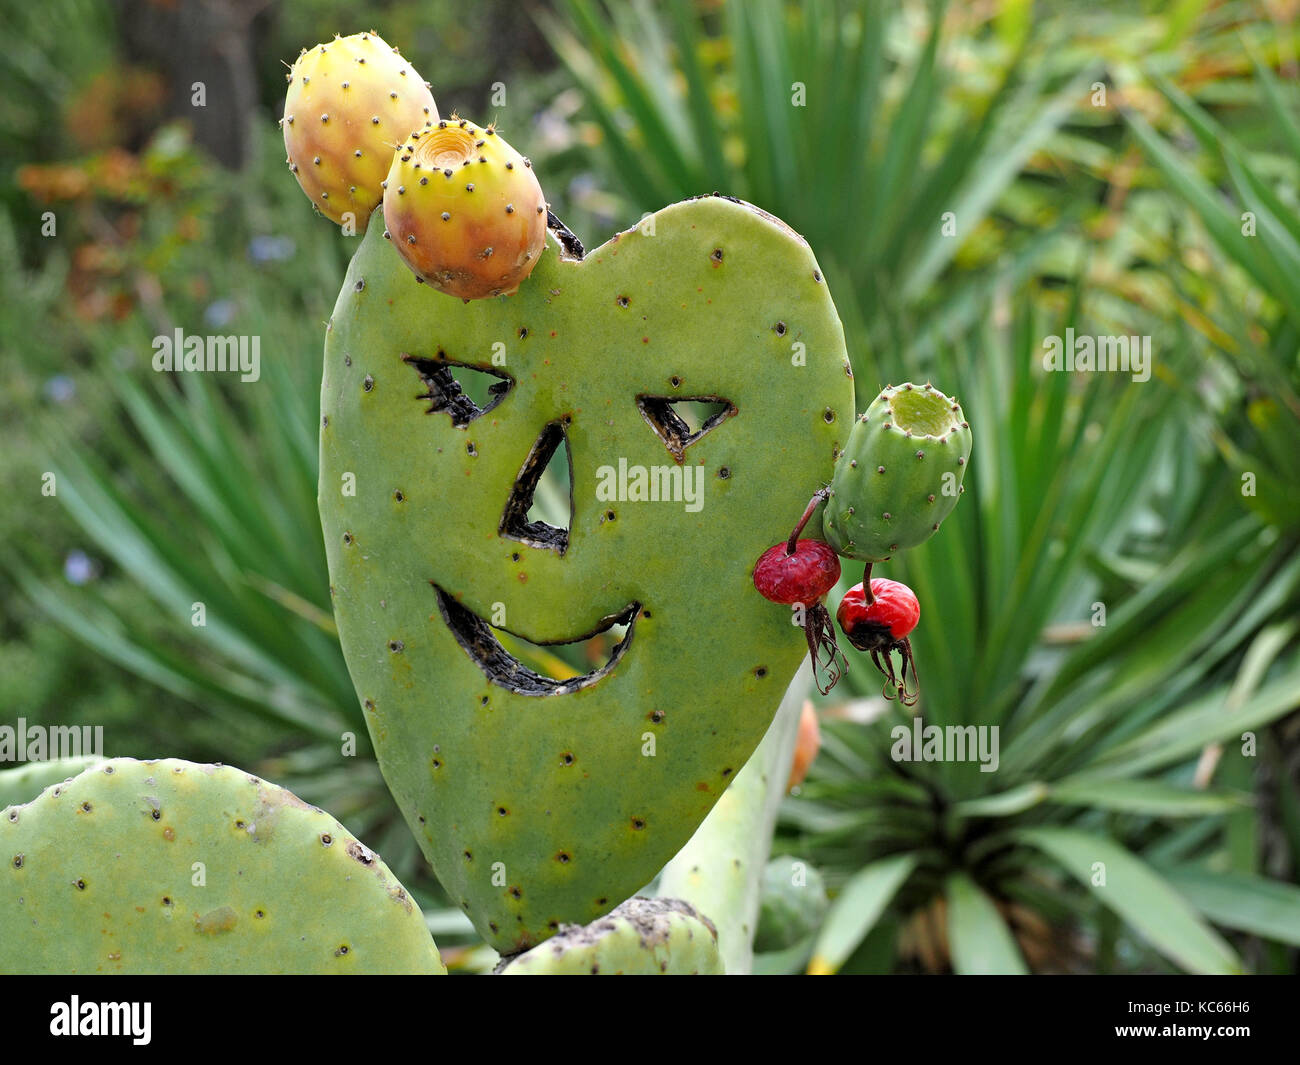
column 892, row 614
column 799, row 573
column 802, row 577
column 880, row 628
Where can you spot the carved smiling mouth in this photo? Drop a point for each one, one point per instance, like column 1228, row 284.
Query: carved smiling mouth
column 477, row 639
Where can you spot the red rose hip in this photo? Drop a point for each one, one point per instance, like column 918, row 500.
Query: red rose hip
column 802, row 577
column 893, row 611
column 799, row 573
column 880, row 627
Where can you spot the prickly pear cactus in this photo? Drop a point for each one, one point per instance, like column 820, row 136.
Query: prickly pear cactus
column 900, row 474
column 642, row 937
column 24, row 782
column 172, row 867
column 720, row 870
column 794, row 903
column 543, row 801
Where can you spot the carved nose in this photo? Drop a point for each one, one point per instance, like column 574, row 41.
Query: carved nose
column 515, row 521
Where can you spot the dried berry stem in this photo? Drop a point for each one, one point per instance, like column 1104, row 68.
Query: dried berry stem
column 822, row 648
column 820, row 496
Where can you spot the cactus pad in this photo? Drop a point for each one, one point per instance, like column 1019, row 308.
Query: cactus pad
column 172, row 867
column 544, row 800
column 643, row 937
column 900, row 474
column 24, row 782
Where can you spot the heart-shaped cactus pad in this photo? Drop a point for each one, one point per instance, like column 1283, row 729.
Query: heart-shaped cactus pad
column 542, row 799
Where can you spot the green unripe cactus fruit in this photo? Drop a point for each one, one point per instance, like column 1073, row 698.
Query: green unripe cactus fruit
column 900, row 474
column 538, row 800
column 642, row 937
column 350, row 102
column 794, row 903
column 465, row 210
column 23, row 783
column 171, row 867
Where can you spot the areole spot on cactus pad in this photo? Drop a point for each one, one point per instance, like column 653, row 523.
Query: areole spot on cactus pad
column 544, row 800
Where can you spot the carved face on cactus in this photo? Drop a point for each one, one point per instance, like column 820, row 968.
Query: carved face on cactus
column 543, row 799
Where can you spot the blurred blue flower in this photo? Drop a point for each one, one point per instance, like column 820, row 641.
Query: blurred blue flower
column 582, row 185
column 219, row 313
column 79, row 568
column 60, row 388
column 267, row 249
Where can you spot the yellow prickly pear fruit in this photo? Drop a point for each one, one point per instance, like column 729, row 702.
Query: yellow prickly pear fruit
column 465, row 210
column 350, row 103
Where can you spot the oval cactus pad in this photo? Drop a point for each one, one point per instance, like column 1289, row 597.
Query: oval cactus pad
column 542, row 798
column 172, row 867
column 642, row 937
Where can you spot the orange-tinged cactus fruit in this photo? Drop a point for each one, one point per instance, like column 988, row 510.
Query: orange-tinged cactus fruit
column 465, row 210
column 350, row 103
column 806, row 745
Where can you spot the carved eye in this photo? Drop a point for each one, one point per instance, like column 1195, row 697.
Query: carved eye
column 462, row 391
column 681, row 421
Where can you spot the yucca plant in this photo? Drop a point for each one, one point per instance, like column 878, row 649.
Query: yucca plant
column 862, row 125
column 1233, row 235
column 1248, row 208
